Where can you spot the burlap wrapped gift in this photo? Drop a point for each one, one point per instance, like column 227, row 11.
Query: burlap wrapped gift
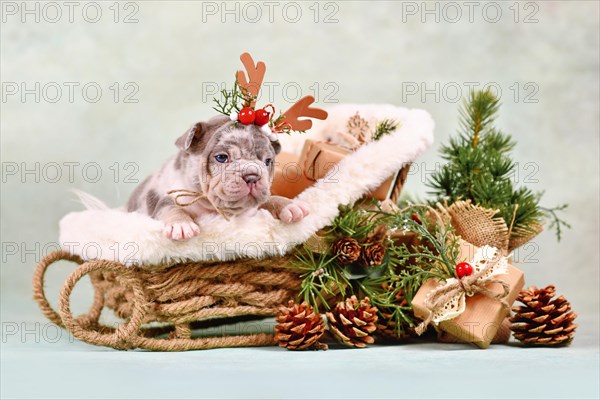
column 483, row 315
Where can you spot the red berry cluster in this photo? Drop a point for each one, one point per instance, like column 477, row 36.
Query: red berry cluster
column 248, row 115
column 463, row 269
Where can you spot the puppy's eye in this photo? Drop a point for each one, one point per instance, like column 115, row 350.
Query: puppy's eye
column 222, row 158
column 269, row 161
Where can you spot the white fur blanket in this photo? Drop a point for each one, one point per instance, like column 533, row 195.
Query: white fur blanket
column 136, row 239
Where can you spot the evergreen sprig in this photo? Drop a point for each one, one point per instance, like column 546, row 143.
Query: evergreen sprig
column 555, row 221
column 479, row 168
column 234, row 99
column 383, row 291
column 435, row 254
column 355, row 222
column 403, row 269
column 320, row 277
column 384, row 127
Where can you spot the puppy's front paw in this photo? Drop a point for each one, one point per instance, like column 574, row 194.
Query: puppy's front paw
column 293, row 212
column 181, row 230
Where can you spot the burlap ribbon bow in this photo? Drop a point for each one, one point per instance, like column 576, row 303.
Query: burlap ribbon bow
column 448, row 300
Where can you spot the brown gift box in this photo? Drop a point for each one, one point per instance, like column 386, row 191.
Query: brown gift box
column 502, row 336
column 318, row 158
column 289, row 180
column 483, row 316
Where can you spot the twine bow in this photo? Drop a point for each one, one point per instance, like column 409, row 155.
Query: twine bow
column 195, row 197
column 447, row 301
column 182, row 193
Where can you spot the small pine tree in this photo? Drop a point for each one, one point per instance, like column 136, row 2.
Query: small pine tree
column 479, row 168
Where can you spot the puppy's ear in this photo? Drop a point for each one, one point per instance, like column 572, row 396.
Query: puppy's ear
column 195, row 137
column 276, row 146
column 185, row 141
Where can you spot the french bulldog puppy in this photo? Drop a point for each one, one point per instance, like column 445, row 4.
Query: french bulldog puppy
column 229, row 165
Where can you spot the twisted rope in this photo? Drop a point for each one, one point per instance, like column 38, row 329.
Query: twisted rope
column 38, row 282
column 182, row 296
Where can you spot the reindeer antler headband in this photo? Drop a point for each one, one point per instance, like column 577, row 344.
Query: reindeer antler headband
column 246, row 90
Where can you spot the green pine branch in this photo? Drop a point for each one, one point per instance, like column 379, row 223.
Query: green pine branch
column 354, row 222
column 234, row 99
column 384, row 127
column 435, row 255
column 402, row 271
column 320, row 277
column 479, row 167
column 555, row 221
column 383, row 292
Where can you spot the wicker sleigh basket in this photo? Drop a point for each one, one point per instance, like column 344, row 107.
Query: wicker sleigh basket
column 162, row 303
column 180, row 296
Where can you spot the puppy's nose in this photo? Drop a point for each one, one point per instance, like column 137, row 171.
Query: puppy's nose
column 251, row 178
column 250, row 173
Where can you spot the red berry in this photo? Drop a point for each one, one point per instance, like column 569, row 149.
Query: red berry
column 463, row 269
column 415, row 218
column 262, row 117
column 246, row 116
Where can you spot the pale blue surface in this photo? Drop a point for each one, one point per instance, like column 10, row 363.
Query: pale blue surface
column 371, row 54
column 68, row 369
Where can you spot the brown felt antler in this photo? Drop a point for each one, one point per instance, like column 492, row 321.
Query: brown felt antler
column 302, row 109
column 256, row 74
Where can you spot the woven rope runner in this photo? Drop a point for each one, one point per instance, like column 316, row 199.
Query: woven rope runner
column 180, row 297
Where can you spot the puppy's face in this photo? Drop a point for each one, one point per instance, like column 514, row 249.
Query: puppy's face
column 233, row 164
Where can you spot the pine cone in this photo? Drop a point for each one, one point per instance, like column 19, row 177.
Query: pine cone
column 373, row 254
column 347, row 250
column 299, row 327
column 543, row 321
column 352, row 323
